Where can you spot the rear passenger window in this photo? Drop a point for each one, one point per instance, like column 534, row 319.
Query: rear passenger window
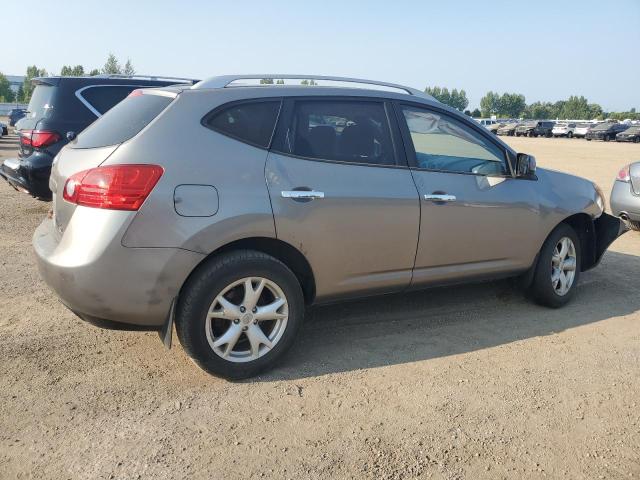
column 346, row 131
column 251, row 122
column 102, row 99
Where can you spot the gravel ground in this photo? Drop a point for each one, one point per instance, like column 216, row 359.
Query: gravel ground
column 463, row 382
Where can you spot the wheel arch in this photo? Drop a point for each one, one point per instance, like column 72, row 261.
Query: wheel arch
column 279, row 249
column 582, row 224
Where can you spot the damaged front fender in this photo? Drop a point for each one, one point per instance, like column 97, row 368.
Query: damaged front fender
column 606, row 229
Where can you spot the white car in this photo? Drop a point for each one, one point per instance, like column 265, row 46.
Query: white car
column 486, row 122
column 563, row 130
column 581, row 129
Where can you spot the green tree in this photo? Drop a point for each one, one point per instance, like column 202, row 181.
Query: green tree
column 112, row 66
column 266, row 81
column 490, row 104
column 512, row 105
column 6, row 94
column 540, row 111
column 69, row 71
column 310, row 83
column 94, row 72
column 280, row 82
column 128, row 68
column 476, row 113
column 456, row 99
column 27, row 88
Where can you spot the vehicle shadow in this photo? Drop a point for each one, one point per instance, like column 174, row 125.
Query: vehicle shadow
column 404, row 328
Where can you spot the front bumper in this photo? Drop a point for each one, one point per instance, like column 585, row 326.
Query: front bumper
column 624, row 202
column 98, row 278
column 607, row 228
column 29, row 175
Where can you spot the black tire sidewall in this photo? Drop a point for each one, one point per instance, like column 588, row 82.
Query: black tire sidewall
column 542, row 289
column 201, row 291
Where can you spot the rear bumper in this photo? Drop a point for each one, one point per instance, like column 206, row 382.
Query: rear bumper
column 104, row 282
column 29, row 175
column 624, row 202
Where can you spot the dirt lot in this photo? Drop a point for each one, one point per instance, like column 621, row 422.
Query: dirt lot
column 464, row 382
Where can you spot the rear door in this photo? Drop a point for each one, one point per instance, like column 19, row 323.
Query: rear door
column 476, row 219
column 343, row 195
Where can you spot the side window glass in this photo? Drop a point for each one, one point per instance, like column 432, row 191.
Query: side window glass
column 444, row 144
column 346, row 131
column 104, row 98
column 250, row 122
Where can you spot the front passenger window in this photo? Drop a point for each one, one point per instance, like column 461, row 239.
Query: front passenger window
column 444, row 144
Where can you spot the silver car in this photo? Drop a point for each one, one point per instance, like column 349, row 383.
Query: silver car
column 224, row 209
column 625, row 196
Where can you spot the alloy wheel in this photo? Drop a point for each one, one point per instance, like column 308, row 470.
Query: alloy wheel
column 563, row 266
column 247, row 319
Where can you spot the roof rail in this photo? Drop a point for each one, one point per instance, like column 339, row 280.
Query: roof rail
column 147, row 77
column 225, row 81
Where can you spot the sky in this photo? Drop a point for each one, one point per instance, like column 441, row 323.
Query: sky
column 546, row 50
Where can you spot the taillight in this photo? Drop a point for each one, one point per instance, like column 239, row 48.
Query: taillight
column 38, row 138
column 114, row 187
column 623, row 175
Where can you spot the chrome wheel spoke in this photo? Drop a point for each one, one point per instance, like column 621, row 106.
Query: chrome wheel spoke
column 229, row 310
column 229, row 338
column 569, row 264
column 564, row 248
column 256, row 338
column 270, row 311
column 252, row 295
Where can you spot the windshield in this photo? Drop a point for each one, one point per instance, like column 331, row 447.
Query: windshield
column 635, row 130
column 561, row 125
column 603, row 126
column 41, row 104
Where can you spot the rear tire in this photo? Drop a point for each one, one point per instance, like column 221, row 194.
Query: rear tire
column 570, row 135
column 201, row 326
column 553, row 272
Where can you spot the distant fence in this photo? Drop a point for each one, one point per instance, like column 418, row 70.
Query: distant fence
column 5, row 107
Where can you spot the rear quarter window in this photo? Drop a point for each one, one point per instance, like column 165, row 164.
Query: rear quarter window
column 104, row 98
column 123, row 121
column 250, row 122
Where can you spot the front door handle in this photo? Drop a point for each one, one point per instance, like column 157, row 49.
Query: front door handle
column 302, row 194
column 439, row 197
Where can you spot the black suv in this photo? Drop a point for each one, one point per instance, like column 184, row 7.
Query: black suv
column 60, row 108
column 605, row 131
column 535, row 129
column 16, row 114
column 632, row 134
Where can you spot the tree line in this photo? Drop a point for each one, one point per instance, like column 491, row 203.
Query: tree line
column 514, row 105
column 111, row 67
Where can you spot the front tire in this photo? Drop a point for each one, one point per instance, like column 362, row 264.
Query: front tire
column 239, row 314
column 558, row 268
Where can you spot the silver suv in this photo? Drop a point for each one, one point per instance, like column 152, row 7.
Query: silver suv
column 226, row 208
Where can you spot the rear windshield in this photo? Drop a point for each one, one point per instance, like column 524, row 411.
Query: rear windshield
column 41, row 104
column 123, row 121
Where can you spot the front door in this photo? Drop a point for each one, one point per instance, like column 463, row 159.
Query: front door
column 342, row 197
column 476, row 219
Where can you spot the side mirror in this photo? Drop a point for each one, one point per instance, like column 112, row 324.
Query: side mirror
column 525, row 165
column 71, row 136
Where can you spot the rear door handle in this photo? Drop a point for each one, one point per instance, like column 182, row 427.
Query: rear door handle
column 302, row 194
column 439, row 197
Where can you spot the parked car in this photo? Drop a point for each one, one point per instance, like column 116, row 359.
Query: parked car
column 486, row 122
column 625, row 196
column 535, row 129
column 631, row 134
column 4, row 130
column 60, row 108
column 581, row 129
column 264, row 199
column 16, row 114
column 563, row 130
column 495, row 127
column 508, row 129
column 605, row 131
